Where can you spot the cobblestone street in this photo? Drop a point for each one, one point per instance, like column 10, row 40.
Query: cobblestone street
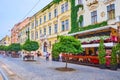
column 42, row 70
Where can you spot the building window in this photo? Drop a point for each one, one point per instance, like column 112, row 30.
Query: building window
column 63, row 26
column 66, row 6
column 94, row 17
column 80, row 24
column 49, row 30
column 40, row 32
column 44, row 18
column 36, row 23
column 55, row 13
column 79, row 1
column 44, row 31
column 62, row 8
column 50, row 16
column 56, row 28
column 40, row 20
column 111, row 11
column 32, row 25
column 32, row 35
column 36, row 35
column 81, row 21
column 67, row 24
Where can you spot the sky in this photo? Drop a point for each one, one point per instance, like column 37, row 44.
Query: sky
column 14, row 11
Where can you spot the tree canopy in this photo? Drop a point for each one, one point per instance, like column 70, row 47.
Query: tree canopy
column 30, row 45
column 14, row 47
column 118, row 48
column 102, row 52
column 3, row 48
column 68, row 44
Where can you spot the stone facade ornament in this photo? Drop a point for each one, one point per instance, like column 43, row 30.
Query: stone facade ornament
column 55, row 21
column 49, row 24
column 108, row 1
column 102, row 14
column 64, row 17
column 92, row 4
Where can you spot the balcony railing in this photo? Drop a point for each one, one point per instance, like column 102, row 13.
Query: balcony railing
column 42, row 36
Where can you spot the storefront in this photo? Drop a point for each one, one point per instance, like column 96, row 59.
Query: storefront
column 90, row 40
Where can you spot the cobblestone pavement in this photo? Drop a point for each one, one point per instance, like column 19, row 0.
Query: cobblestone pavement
column 45, row 70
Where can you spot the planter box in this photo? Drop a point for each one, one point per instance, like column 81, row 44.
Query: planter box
column 102, row 66
column 113, row 67
column 119, row 65
column 55, row 59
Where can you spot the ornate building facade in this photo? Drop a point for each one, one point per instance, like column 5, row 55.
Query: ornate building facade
column 51, row 21
column 97, row 19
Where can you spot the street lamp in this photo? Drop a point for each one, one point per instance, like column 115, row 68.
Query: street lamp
column 27, row 33
column 19, row 38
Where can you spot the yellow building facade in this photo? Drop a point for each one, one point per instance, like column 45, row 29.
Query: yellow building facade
column 53, row 20
column 6, row 41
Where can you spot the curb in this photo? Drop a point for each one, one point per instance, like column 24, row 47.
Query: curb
column 3, row 75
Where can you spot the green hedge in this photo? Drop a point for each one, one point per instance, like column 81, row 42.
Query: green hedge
column 80, row 18
column 102, row 24
column 74, row 22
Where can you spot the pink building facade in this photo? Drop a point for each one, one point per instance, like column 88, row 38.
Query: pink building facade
column 17, row 27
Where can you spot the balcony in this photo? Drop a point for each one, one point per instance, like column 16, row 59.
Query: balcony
column 43, row 37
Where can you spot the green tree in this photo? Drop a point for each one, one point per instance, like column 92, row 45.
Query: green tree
column 67, row 45
column 102, row 53
column 56, row 1
column 118, row 48
column 118, row 53
column 55, row 51
column 2, row 48
column 14, row 47
column 30, row 45
column 113, row 56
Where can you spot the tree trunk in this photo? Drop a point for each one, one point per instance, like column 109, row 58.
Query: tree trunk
column 67, row 57
column 66, row 63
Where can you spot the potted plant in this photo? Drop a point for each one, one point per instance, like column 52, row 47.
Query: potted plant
column 118, row 53
column 101, row 55
column 55, row 53
column 113, row 65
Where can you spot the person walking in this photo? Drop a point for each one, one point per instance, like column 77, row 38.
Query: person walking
column 47, row 56
column 60, row 57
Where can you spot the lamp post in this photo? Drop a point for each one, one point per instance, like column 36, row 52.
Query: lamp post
column 27, row 33
column 19, row 36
